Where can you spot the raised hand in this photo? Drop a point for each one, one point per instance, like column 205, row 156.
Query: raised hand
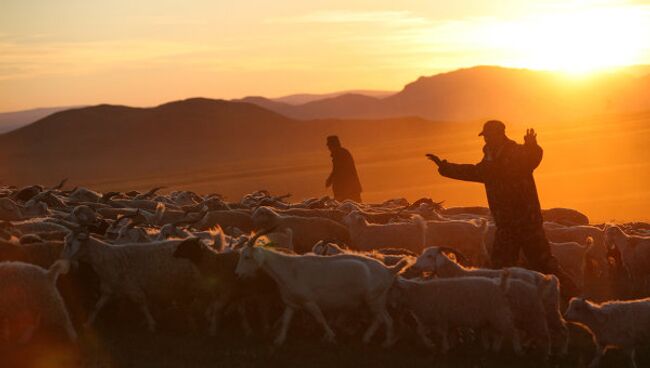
column 434, row 158
column 530, row 137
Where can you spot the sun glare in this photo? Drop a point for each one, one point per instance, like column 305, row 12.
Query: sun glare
column 576, row 43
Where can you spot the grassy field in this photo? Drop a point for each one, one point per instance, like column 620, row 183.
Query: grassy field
column 600, row 166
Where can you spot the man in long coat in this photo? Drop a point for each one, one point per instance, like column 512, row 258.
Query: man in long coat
column 506, row 170
column 344, row 179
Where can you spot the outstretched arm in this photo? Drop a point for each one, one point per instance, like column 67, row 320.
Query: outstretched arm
column 466, row 172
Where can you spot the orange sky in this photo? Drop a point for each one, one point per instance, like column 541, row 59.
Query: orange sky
column 145, row 52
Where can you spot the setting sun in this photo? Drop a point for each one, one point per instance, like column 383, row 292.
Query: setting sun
column 575, row 42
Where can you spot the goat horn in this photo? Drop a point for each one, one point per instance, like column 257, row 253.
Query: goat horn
column 60, row 185
column 251, row 241
column 460, row 256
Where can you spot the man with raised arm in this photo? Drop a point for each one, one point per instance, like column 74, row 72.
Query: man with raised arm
column 506, row 170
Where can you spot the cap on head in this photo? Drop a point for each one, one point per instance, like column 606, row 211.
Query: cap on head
column 333, row 140
column 493, row 127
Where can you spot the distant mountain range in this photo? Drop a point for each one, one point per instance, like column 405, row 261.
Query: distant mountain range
column 486, row 92
column 302, row 98
column 16, row 119
column 108, row 141
column 470, row 94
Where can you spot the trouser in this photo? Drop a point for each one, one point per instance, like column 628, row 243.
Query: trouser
column 509, row 242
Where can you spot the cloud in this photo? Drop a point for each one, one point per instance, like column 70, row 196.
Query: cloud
column 395, row 18
column 27, row 60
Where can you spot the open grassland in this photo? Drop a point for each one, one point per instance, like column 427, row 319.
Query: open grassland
column 600, row 166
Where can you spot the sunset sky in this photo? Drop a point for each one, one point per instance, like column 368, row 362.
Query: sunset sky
column 73, row 52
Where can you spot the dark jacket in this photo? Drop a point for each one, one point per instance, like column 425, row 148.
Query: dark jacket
column 344, row 177
column 509, row 184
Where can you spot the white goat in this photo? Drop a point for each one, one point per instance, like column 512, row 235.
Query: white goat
column 434, row 259
column 306, row 231
column 466, row 236
column 316, row 283
column 30, row 291
column 624, row 324
column 367, row 236
column 635, row 252
column 323, row 248
column 139, row 272
column 472, row 302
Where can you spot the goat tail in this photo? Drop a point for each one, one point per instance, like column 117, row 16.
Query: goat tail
column 422, row 225
column 218, row 237
column 160, row 212
column 400, row 265
column 60, row 267
column 503, row 282
column 551, row 285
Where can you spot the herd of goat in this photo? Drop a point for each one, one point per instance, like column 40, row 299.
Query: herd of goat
column 419, row 270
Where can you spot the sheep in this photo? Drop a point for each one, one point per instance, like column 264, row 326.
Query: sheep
column 307, row 231
column 47, row 197
column 278, row 239
column 619, row 280
column 229, row 289
column 42, row 254
column 130, row 234
column 466, row 236
column 434, row 259
column 37, row 225
column 211, row 204
column 572, row 258
column 528, row 313
column 578, row 234
column 565, row 216
column 366, row 236
column 388, row 256
column 475, row 210
column 624, row 324
column 83, row 215
column 332, row 214
column 29, row 290
column 149, row 194
column 114, row 213
column 142, row 204
column 84, row 195
column 635, row 254
column 139, row 272
column 472, row 302
column 172, row 231
column 316, row 283
column 9, row 210
column 582, row 345
column 240, row 219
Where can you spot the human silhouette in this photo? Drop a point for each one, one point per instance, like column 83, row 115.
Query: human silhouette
column 344, row 179
column 506, row 170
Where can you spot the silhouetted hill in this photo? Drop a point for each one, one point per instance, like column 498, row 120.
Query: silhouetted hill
column 488, row 92
column 108, row 141
column 303, row 98
column 16, row 119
